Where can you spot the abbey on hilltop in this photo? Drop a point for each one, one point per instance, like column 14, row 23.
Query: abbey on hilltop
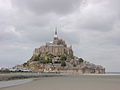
column 56, row 47
column 56, row 56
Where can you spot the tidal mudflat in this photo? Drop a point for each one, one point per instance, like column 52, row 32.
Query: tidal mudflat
column 71, row 82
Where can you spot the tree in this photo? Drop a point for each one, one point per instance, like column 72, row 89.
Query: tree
column 80, row 60
column 63, row 63
column 48, row 61
column 63, row 57
column 36, row 58
column 74, row 65
column 41, row 58
column 50, row 55
column 43, row 61
column 25, row 64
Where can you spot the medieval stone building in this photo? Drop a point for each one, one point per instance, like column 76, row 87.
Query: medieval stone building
column 56, row 47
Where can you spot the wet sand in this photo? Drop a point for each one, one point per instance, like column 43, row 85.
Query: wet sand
column 71, row 82
column 14, row 82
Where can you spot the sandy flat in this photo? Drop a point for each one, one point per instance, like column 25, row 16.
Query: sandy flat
column 81, row 82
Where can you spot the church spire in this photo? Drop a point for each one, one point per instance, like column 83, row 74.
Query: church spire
column 56, row 36
column 56, row 31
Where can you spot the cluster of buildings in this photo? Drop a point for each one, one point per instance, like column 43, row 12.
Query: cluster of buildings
column 56, row 48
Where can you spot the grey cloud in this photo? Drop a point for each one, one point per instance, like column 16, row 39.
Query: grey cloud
column 93, row 29
column 46, row 6
column 96, row 15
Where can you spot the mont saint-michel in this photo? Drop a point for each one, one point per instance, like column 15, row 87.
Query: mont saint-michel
column 57, row 56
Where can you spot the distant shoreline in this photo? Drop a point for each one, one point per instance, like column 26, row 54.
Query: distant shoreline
column 17, row 76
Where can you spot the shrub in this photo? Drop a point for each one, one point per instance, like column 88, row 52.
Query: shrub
column 36, row 58
column 81, row 60
column 50, row 55
column 63, row 63
column 63, row 57
column 25, row 64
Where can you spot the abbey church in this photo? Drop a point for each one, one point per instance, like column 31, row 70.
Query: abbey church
column 56, row 47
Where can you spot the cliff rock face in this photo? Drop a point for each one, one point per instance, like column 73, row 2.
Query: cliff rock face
column 56, row 56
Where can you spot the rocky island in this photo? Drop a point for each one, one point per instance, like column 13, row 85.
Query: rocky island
column 56, row 56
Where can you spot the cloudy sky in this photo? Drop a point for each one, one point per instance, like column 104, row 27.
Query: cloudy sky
column 92, row 27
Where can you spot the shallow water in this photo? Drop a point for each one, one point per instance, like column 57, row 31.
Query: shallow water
column 74, row 82
column 14, row 82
